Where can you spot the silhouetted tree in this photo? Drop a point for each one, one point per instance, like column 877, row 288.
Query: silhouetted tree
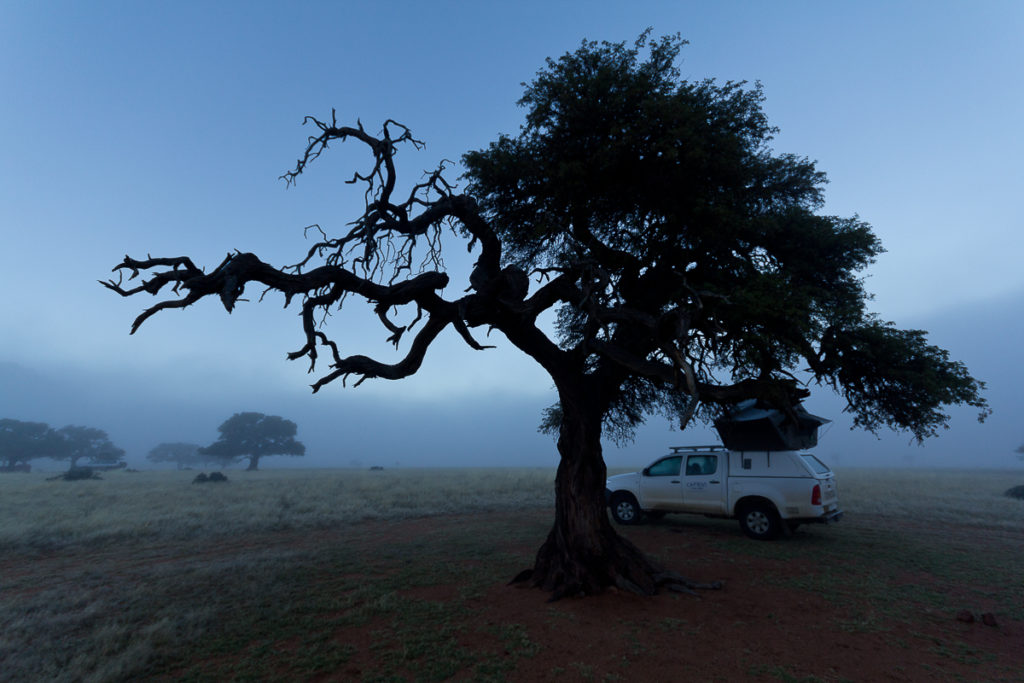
column 686, row 261
column 21, row 442
column 75, row 443
column 1020, row 452
column 253, row 435
column 181, row 454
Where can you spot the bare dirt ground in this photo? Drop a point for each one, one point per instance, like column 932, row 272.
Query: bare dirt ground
column 767, row 623
column 858, row 601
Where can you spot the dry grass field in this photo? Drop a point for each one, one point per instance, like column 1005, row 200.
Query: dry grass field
column 400, row 575
column 164, row 505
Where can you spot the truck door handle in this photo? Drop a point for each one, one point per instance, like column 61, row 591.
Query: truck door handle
column 714, row 481
column 675, row 481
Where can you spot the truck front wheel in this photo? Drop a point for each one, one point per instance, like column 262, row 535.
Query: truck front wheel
column 625, row 509
column 760, row 521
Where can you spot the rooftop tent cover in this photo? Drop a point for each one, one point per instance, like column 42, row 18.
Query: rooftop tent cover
column 751, row 427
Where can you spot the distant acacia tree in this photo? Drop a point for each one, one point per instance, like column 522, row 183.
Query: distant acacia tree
column 181, row 454
column 687, row 266
column 21, row 442
column 254, row 435
column 76, row 443
column 1020, row 452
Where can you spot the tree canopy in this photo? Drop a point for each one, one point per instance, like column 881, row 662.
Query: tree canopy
column 689, row 265
column 21, row 442
column 76, row 442
column 252, row 436
column 685, row 249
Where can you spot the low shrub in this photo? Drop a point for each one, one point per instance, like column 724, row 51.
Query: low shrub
column 215, row 477
column 1015, row 492
column 78, row 474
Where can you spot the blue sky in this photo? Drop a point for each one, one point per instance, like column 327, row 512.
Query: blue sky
column 162, row 128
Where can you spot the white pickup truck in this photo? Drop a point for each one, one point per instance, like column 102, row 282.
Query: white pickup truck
column 769, row 492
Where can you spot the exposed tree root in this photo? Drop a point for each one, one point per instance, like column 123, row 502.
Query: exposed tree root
column 565, row 572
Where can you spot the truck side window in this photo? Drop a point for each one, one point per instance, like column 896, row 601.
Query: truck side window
column 669, row 467
column 701, row 464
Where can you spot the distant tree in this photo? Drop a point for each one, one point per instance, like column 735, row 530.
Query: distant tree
column 254, row 435
column 76, row 443
column 685, row 263
column 181, row 454
column 1020, row 452
column 21, row 442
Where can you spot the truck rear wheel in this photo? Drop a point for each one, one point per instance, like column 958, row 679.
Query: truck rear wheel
column 760, row 521
column 625, row 509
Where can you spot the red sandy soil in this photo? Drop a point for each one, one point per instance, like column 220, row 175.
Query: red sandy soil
column 752, row 629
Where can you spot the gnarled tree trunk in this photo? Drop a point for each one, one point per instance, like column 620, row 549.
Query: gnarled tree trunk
column 583, row 554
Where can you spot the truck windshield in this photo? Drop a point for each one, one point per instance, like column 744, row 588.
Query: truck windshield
column 817, row 466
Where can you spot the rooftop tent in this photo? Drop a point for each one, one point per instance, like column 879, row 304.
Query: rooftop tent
column 751, row 427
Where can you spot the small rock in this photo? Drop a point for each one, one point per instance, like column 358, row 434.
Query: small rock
column 965, row 616
column 989, row 619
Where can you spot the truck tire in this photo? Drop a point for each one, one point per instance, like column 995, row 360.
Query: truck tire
column 760, row 521
column 625, row 509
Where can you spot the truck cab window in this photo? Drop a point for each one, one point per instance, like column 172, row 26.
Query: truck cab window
column 668, row 467
column 701, row 464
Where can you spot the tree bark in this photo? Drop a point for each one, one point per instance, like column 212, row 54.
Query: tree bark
column 253, row 463
column 583, row 554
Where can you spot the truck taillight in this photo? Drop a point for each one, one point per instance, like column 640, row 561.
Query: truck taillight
column 816, row 495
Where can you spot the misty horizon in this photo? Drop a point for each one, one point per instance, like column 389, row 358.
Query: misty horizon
column 341, row 426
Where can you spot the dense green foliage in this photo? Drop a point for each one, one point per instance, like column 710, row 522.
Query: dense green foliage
column 692, row 243
column 21, row 442
column 89, row 443
column 252, row 436
column 24, row 441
